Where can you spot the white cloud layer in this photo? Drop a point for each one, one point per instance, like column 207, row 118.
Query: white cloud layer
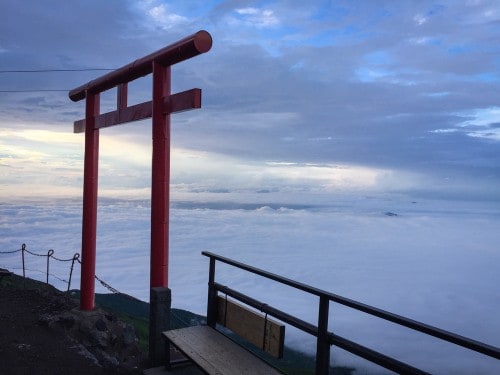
column 435, row 262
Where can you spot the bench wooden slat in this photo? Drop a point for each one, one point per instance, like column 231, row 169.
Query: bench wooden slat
column 263, row 332
column 215, row 353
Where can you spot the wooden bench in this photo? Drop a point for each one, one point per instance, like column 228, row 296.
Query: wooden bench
column 216, row 353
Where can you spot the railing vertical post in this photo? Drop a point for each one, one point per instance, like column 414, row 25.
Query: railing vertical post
column 89, row 218
column 212, row 296
column 323, row 345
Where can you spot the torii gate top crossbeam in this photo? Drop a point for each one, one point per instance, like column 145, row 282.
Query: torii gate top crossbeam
column 199, row 42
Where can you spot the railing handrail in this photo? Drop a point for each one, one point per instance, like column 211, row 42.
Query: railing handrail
column 451, row 337
column 341, row 342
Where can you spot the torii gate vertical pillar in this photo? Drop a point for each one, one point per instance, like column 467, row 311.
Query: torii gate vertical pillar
column 89, row 224
column 160, row 192
column 160, row 299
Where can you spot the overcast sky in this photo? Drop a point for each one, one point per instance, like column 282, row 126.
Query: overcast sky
column 301, row 100
column 316, row 96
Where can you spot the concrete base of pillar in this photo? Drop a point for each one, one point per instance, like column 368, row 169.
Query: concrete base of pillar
column 160, row 301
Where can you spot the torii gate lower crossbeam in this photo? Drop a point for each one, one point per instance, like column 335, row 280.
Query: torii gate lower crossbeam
column 159, row 109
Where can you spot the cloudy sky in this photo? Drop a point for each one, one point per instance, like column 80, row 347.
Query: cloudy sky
column 302, row 101
column 323, row 96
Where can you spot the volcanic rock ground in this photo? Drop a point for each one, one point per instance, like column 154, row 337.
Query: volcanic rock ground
column 42, row 331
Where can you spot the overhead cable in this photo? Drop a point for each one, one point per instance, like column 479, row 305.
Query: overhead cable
column 52, row 70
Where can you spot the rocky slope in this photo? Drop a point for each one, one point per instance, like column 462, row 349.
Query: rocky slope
column 44, row 332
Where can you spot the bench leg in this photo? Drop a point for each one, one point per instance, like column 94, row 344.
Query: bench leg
column 178, row 359
column 168, row 363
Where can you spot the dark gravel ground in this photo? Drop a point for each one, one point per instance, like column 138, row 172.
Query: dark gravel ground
column 27, row 346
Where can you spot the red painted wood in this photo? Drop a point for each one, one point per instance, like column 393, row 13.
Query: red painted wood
column 89, row 219
column 160, row 193
column 184, row 49
column 121, row 95
column 182, row 101
column 160, row 108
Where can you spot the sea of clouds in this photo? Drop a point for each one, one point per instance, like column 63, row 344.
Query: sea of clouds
column 432, row 261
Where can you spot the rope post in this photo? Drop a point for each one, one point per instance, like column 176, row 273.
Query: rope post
column 23, row 249
column 75, row 258
column 49, row 254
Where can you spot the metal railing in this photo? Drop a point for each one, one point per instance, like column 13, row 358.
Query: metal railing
column 325, row 338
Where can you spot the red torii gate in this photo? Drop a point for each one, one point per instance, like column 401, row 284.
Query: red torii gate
column 159, row 109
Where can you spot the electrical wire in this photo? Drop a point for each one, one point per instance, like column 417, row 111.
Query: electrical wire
column 34, row 90
column 46, row 71
column 53, row 70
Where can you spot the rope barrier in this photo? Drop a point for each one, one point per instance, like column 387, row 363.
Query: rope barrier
column 49, row 255
column 75, row 258
column 10, row 252
column 180, row 318
column 65, row 260
column 34, row 270
column 35, row 254
column 107, row 286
